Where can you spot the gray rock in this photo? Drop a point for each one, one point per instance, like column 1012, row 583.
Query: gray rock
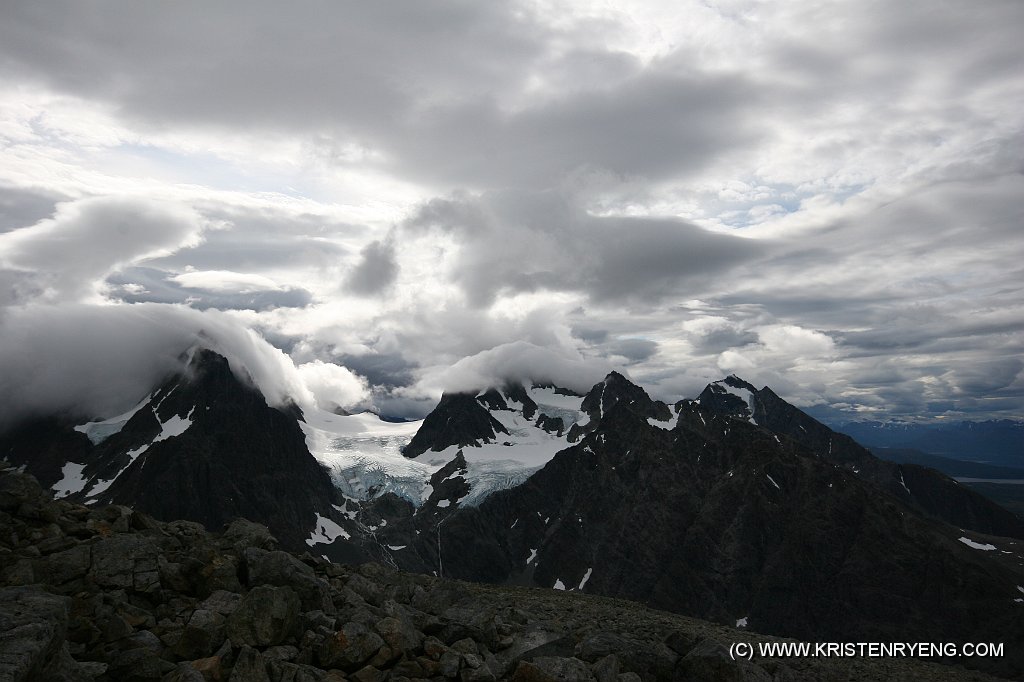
column 62, row 567
column 184, row 672
column 127, row 562
column 399, row 634
column 222, row 602
column 241, row 534
column 249, row 667
column 281, row 671
column 266, row 616
column 606, row 669
column 202, row 635
column 33, row 625
column 560, row 669
column 349, row 648
column 601, row 644
column 281, row 568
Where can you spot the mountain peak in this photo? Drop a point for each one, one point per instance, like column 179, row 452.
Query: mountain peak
column 732, row 396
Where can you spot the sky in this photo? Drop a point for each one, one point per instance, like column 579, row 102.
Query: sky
column 370, row 203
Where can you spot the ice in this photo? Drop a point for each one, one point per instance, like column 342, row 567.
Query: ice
column 363, row 454
column 326, row 532
column 71, row 480
column 559, row 585
column 586, row 577
column 977, row 545
column 99, row 431
column 546, row 397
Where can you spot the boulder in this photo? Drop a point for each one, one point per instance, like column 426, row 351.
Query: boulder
column 266, row 616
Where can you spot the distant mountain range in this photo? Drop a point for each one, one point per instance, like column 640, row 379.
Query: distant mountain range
column 735, row 507
column 998, row 442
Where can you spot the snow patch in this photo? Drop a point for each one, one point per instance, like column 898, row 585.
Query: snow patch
column 666, row 426
column 742, row 393
column 326, row 532
column 395, row 548
column 742, row 622
column 977, row 545
column 773, row 481
column 175, row 426
column 71, row 480
column 586, row 577
column 443, row 504
column 533, row 555
column 559, row 585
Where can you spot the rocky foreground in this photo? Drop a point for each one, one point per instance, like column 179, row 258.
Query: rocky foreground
column 112, row 594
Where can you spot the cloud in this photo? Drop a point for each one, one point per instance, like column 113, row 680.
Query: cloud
column 97, row 361
column 633, row 350
column 514, row 242
column 20, row 207
column 332, row 386
column 376, row 271
column 713, row 334
column 68, row 255
column 225, row 281
column 825, row 198
column 226, row 290
column 386, row 370
column 520, row 361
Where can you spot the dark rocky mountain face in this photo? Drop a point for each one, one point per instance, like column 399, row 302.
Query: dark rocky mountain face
column 459, row 419
column 205, row 447
column 927, row 490
column 792, row 532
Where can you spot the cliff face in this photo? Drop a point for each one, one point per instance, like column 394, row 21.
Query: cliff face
column 204, row 446
column 112, row 594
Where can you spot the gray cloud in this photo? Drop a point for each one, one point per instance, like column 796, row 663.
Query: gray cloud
column 376, row 270
column 142, row 284
column 261, row 240
column 21, row 207
column 386, row 370
column 870, row 156
column 267, row 67
column 97, row 361
column 66, row 256
column 521, row 242
column 633, row 350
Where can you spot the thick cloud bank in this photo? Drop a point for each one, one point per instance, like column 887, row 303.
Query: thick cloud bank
column 97, row 361
column 521, row 361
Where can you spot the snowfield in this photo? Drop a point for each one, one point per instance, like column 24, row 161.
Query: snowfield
column 364, row 453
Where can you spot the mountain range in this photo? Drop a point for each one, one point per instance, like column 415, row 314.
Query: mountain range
column 735, row 507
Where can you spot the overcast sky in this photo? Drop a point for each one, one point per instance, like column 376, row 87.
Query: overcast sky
column 403, row 197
